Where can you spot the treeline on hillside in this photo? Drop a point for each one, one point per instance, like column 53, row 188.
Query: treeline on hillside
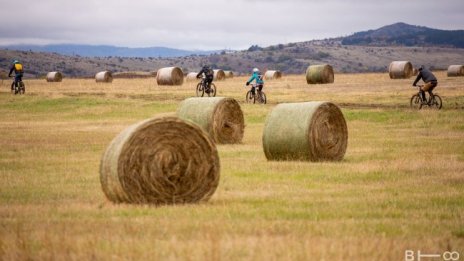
column 427, row 38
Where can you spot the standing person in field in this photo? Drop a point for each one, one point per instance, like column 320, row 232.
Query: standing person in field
column 17, row 67
column 209, row 76
column 429, row 79
column 258, row 77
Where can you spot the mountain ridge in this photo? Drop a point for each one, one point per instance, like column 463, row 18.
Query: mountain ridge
column 107, row 50
column 402, row 34
column 292, row 58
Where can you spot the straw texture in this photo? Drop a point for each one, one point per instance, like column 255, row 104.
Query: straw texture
column 272, row 75
column 160, row 161
column 105, row 76
column 219, row 75
column 222, row 118
column 400, row 70
column 54, row 77
column 455, row 70
column 319, row 74
column 309, row 131
column 170, row 76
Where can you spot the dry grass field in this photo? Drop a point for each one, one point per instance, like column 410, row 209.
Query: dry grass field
column 400, row 186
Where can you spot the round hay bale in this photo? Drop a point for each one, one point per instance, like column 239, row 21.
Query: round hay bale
column 222, row 118
column 272, row 75
column 229, row 74
column 455, row 70
column 105, row 76
column 400, row 70
column 54, row 77
column 311, row 131
column 219, row 75
column 415, row 72
column 160, row 161
column 170, row 76
column 191, row 76
column 319, row 74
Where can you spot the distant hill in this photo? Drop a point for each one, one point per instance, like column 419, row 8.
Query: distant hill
column 401, row 34
column 105, row 50
column 342, row 53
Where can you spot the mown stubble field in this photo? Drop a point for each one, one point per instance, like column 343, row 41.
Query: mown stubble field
column 400, row 186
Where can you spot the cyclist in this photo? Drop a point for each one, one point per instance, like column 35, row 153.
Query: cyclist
column 209, row 76
column 258, row 77
column 17, row 67
column 429, row 79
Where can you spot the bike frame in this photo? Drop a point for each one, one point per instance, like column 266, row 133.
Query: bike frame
column 420, row 96
column 434, row 100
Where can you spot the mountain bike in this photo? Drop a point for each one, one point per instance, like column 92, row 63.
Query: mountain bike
column 258, row 97
column 417, row 102
column 202, row 89
column 20, row 89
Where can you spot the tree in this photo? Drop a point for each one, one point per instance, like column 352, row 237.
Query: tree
column 254, row 48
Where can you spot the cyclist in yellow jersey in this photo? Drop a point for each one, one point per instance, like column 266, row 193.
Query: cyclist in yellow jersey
column 17, row 67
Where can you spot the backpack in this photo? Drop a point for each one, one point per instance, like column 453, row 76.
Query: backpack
column 209, row 73
column 18, row 68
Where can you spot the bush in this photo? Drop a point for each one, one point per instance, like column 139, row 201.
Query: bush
column 254, row 48
column 322, row 55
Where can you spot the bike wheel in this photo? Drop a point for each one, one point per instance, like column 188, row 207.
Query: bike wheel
column 436, row 102
column 200, row 90
column 415, row 102
column 262, row 97
column 22, row 88
column 212, row 90
column 249, row 97
column 13, row 88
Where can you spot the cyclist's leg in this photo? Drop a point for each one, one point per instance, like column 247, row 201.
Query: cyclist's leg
column 428, row 87
column 424, row 89
column 17, row 79
column 260, row 87
column 208, row 84
column 422, row 94
column 430, row 91
column 253, row 90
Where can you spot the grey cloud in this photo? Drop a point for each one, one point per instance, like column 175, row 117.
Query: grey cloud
column 211, row 24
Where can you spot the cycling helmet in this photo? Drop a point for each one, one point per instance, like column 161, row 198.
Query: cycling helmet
column 255, row 70
column 15, row 61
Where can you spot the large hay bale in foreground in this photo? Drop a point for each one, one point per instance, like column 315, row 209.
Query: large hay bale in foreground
column 455, row 70
column 319, row 74
column 313, row 131
column 160, row 161
column 228, row 74
column 400, row 70
column 54, row 77
column 170, row 76
column 105, row 76
column 222, row 118
column 272, row 75
column 219, row 75
column 191, row 76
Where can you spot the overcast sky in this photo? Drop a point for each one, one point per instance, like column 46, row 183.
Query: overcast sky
column 211, row 24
